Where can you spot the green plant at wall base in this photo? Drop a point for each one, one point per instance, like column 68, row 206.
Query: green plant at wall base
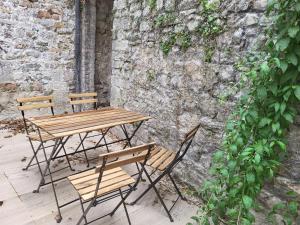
column 255, row 134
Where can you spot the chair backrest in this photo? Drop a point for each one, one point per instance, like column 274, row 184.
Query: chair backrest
column 185, row 145
column 138, row 154
column 82, row 99
column 36, row 102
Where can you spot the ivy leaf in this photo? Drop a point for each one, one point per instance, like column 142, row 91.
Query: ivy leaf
column 265, row 69
column 281, row 145
column 247, row 201
column 264, row 121
column 219, row 155
column 297, row 7
column 297, row 92
column 283, row 66
column 261, row 92
column 277, row 107
column 282, row 44
column 292, row 58
column 257, row 159
column 250, row 178
column 282, row 107
column 293, row 31
column 288, row 117
column 293, row 207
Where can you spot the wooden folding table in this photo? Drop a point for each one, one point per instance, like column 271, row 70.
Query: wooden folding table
column 62, row 127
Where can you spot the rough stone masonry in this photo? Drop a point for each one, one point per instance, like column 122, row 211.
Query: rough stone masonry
column 123, row 62
column 36, row 51
column 181, row 89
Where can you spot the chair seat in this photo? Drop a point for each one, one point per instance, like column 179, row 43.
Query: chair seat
column 160, row 158
column 112, row 180
column 45, row 137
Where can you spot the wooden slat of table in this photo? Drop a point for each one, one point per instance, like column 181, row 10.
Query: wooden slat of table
column 68, row 124
column 87, row 123
column 87, row 117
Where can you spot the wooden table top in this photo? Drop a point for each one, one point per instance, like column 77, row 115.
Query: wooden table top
column 68, row 124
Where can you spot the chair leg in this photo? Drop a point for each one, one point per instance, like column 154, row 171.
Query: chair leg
column 121, row 202
column 176, row 187
column 63, row 147
column 85, row 155
column 125, row 208
column 82, row 208
column 85, row 213
column 33, row 157
column 159, row 197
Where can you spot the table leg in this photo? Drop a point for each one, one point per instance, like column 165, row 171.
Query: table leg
column 55, row 147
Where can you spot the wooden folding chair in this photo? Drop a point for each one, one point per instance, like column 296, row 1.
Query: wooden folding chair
column 81, row 101
column 165, row 160
column 37, row 103
column 109, row 180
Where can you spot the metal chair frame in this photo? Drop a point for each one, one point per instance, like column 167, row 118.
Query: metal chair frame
column 184, row 147
column 124, row 194
column 93, row 97
column 41, row 146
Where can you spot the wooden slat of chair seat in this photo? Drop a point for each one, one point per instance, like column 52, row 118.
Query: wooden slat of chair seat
column 80, row 95
column 109, row 189
column 112, row 180
column 45, row 137
column 112, row 173
column 91, row 172
column 35, row 99
column 161, row 158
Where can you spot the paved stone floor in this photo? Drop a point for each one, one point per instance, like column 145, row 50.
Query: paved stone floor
column 22, row 207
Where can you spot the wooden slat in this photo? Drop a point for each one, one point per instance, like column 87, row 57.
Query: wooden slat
column 128, row 151
column 63, row 116
column 99, row 117
column 156, row 156
column 191, row 133
column 91, row 171
column 104, row 184
column 94, row 181
column 36, row 106
column 68, row 124
column 74, row 125
column 109, row 189
column 161, row 159
column 122, row 162
column 94, row 128
column 34, row 99
column 83, row 101
column 95, row 176
column 167, row 162
column 45, row 137
column 80, row 95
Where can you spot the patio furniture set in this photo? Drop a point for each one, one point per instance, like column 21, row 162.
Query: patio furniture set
column 109, row 179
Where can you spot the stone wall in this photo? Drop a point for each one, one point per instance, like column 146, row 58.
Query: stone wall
column 36, row 51
column 181, row 89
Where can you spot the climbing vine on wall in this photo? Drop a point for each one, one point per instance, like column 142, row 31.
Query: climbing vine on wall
column 255, row 135
column 211, row 25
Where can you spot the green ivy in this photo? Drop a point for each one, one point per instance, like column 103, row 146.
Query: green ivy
column 152, row 4
column 255, row 134
column 164, row 20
